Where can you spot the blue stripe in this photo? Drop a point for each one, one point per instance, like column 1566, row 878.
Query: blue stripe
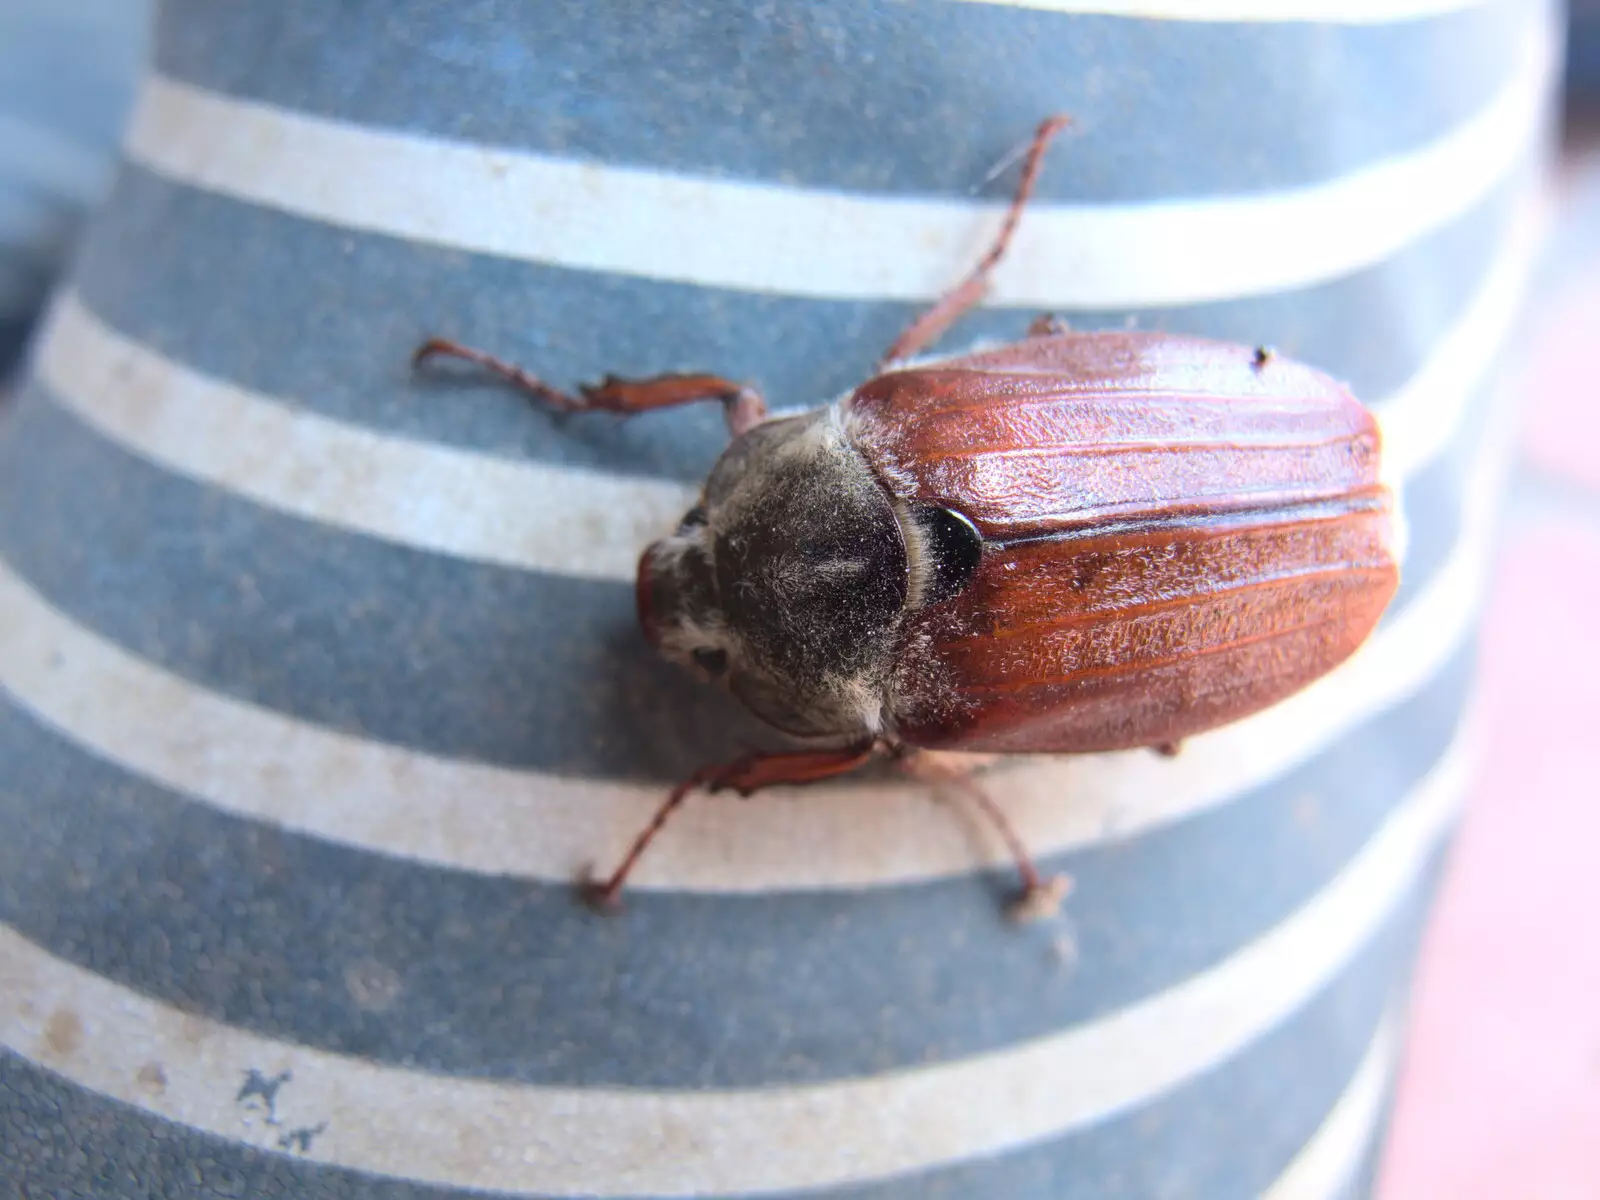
column 457, row 658
column 328, row 318
column 14, row 333
column 919, row 97
column 1229, row 1133
column 504, row 978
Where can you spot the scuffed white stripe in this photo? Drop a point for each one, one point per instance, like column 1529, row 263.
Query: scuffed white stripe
column 1321, row 12
column 540, row 516
column 808, row 242
column 610, row 1141
column 1326, row 1165
column 264, row 765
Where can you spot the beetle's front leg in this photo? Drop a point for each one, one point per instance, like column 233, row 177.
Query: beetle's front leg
column 743, row 406
column 744, row 775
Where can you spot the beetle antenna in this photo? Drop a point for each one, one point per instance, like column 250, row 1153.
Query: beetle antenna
column 931, row 325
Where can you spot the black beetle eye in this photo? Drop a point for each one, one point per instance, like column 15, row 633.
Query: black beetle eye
column 710, row 660
column 954, row 548
column 695, row 516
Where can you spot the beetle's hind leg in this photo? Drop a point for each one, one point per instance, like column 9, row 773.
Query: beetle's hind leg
column 1041, row 896
column 743, row 406
column 947, row 310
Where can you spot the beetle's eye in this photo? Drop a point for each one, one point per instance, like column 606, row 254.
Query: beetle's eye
column 954, row 549
column 711, row 660
column 695, row 516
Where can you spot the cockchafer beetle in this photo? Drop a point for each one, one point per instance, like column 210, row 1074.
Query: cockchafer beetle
column 1076, row 542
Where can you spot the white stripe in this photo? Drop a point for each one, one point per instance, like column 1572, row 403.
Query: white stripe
column 1324, row 12
column 808, row 242
column 537, row 516
column 263, row 765
column 612, row 1141
column 427, row 496
column 1421, row 418
column 1327, row 1164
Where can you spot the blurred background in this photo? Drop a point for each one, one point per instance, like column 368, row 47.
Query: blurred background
column 1499, row 1092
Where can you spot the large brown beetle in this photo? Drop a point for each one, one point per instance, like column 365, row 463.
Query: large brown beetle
column 1077, row 542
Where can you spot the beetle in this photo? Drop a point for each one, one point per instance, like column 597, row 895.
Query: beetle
column 1078, row 542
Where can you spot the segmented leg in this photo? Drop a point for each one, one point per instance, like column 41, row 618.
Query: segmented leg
column 1040, row 896
column 744, row 775
column 742, row 406
column 931, row 325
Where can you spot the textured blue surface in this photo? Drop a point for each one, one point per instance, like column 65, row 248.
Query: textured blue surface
column 1222, row 1135
column 230, row 923
column 824, row 986
column 918, row 96
column 494, row 664
column 296, row 308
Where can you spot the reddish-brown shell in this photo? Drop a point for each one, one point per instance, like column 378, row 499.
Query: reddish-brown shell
column 1177, row 533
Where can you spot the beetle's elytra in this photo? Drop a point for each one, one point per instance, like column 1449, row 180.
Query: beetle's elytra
column 1077, row 542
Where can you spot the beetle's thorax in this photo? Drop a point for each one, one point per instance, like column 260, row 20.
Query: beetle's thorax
column 789, row 579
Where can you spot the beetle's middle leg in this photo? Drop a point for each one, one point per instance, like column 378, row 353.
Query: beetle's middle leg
column 1041, row 896
column 944, row 312
column 743, row 406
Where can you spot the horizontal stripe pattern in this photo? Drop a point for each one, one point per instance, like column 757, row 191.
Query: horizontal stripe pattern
column 1328, row 1164
column 898, row 98
column 492, row 819
column 84, row 1133
column 481, row 507
column 469, row 1133
column 491, row 977
column 340, row 625
column 717, row 233
column 316, row 706
column 432, row 498
column 329, row 320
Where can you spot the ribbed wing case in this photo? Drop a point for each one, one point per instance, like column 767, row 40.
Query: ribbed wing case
column 1159, row 558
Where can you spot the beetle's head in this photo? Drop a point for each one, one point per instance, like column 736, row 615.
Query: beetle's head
column 677, row 597
column 784, row 581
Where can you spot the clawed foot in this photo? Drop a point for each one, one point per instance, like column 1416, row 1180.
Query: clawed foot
column 1040, row 901
column 599, row 896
